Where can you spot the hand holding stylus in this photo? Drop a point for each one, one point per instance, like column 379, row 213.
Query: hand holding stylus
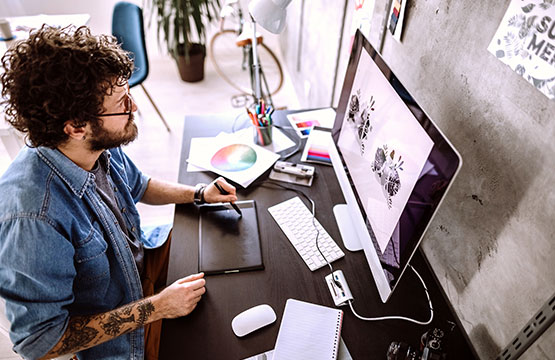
column 224, row 192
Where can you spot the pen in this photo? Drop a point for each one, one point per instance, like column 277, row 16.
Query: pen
column 223, row 192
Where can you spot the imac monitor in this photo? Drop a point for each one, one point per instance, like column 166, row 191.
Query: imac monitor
column 393, row 164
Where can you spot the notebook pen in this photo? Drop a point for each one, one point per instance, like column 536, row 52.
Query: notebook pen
column 223, row 192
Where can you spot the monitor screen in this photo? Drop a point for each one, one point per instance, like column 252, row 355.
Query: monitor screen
column 393, row 163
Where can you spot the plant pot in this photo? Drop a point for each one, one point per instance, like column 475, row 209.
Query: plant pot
column 191, row 69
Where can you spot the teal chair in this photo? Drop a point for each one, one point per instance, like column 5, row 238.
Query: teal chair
column 127, row 27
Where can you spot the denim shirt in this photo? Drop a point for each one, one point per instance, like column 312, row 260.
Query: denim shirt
column 62, row 252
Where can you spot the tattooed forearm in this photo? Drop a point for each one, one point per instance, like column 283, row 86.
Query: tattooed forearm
column 115, row 321
column 78, row 334
column 145, row 308
column 84, row 332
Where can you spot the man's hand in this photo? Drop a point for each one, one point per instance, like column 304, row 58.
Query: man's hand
column 181, row 297
column 83, row 332
column 213, row 195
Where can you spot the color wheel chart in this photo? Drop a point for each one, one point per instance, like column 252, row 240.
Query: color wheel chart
column 236, row 157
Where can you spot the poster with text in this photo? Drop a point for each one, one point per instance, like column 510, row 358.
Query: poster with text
column 525, row 41
column 384, row 148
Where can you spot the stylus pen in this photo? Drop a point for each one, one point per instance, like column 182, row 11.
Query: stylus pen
column 223, row 192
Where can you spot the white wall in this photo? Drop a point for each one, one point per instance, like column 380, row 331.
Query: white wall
column 100, row 12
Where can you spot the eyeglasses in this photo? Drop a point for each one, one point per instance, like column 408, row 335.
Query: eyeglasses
column 128, row 107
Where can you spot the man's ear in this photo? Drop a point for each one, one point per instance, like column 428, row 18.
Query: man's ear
column 73, row 131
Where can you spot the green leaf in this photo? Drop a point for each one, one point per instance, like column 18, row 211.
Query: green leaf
column 182, row 22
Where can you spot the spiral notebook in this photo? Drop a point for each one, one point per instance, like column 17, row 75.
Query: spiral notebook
column 308, row 331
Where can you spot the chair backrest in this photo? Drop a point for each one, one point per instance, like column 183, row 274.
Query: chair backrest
column 127, row 27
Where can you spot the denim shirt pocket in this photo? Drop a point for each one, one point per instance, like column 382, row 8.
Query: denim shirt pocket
column 92, row 265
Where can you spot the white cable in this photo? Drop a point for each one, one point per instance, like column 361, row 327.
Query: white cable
column 318, row 233
column 401, row 317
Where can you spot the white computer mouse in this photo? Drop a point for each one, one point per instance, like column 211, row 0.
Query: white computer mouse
column 253, row 319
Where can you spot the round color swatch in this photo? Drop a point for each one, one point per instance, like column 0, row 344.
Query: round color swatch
column 236, row 157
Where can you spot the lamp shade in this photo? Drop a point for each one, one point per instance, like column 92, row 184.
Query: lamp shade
column 270, row 14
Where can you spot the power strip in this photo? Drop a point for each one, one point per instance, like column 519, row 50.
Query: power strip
column 339, row 289
column 531, row 331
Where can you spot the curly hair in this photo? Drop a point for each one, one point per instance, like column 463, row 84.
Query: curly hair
column 58, row 75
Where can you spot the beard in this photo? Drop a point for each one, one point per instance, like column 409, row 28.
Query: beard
column 103, row 139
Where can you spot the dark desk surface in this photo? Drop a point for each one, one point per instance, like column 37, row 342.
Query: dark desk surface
column 206, row 333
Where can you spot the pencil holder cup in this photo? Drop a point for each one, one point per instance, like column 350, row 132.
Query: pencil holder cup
column 262, row 134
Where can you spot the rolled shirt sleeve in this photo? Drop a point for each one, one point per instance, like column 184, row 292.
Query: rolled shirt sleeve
column 36, row 280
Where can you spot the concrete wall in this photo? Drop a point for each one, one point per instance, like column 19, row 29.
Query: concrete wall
column 492, row 245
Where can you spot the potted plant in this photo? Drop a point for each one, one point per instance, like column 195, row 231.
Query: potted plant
column 182, row 25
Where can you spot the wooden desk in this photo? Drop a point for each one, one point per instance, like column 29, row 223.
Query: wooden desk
column 206, row 333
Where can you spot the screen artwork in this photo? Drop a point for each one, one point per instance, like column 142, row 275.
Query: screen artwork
column 384, row 147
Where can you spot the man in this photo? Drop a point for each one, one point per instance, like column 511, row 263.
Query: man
column 75, row 267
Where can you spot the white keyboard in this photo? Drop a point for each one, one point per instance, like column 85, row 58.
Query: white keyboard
column 295, row 220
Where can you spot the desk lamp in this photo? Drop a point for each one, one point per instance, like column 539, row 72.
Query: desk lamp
column 270, row 14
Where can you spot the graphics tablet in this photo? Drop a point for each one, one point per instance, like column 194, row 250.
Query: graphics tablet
column 228, row 242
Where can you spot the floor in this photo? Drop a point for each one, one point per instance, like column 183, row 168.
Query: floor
column 156, row 152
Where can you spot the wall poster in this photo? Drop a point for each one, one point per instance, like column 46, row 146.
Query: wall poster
column 525, row 41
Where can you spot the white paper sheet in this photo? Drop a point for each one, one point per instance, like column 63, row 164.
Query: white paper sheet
column 203, row 151
column 308, row 331
column 280, row 142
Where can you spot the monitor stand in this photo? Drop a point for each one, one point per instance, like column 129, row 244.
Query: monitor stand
column 346, row 228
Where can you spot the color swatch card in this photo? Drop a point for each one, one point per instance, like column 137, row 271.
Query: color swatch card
column 396, row 17
column 317, row 145
column 303, row 122
column 235, row 160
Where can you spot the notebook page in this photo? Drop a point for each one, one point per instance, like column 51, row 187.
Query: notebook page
column 308, row 331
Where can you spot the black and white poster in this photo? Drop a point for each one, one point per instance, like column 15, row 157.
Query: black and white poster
column 525, row 41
